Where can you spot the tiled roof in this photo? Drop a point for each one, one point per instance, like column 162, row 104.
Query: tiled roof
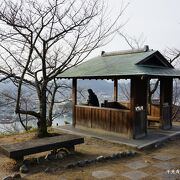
column 150, row 63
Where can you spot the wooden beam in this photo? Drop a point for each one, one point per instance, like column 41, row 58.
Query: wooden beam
column 74, row 100
column 116, row 90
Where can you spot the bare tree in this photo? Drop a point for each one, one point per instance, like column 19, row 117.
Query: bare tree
column 41, row 39
column 9, row 100
column 57, row 94
column 173, row 56
column 133, row 42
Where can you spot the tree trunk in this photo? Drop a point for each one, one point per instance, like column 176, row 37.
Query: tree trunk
column 51, row 105
column 49, row 121
column 42, row 126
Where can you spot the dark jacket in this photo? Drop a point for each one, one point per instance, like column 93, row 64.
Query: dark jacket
column 92, row 98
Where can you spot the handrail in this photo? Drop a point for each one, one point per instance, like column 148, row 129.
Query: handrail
column 104, row 108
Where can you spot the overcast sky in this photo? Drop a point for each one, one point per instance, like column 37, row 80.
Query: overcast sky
column 157, row 20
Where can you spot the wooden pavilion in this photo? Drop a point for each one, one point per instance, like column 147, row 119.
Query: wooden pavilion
column 129, row 119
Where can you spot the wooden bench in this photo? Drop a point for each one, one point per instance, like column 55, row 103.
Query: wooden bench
column 17, row 151
column 153, row 119
column 114, row 104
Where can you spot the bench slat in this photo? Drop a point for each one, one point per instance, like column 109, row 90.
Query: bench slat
column 153, row 118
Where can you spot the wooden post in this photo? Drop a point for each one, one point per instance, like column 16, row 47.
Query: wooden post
column 115, row 90
column 139, row 106
column 166, row 91
column 74, row 100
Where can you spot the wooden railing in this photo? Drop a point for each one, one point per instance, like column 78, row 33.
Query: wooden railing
column 114, row 120
column 154, row 110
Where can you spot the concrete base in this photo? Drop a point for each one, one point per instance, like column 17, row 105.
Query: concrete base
column 153, row 139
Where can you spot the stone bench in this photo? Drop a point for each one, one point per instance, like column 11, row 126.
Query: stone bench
column 17, row 151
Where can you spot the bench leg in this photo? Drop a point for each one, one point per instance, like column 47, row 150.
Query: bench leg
column 71, row 148
column 54, row 151
column 19, row 159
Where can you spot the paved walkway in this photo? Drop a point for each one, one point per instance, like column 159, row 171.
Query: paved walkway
column 158, row 166
column 153, row 138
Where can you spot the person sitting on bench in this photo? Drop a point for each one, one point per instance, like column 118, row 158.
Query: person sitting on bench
column 92, row 98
